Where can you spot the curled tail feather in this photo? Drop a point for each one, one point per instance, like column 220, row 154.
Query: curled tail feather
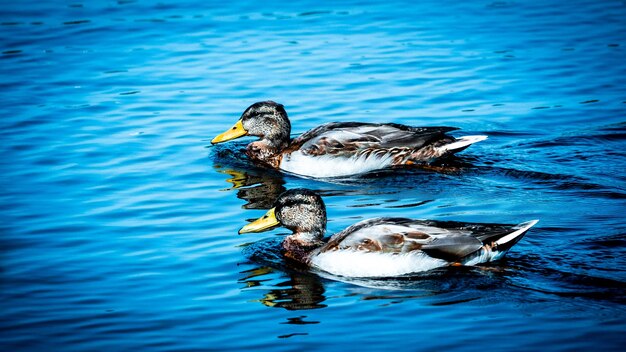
column 432, row 152
column 459, row 144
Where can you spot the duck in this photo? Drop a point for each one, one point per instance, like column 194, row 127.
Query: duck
column 383, row 247
column 339, row 149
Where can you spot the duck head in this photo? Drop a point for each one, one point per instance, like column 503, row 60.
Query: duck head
column 267, row 120
column 300, row 210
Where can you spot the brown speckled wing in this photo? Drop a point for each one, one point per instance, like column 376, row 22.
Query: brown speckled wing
column 386, row 235
column 352, row 138
column 447, row 240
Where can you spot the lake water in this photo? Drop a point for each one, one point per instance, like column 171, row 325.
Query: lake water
column 118, row 222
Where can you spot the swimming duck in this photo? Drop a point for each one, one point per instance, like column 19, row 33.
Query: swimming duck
column 382, row 247
column 339, row 148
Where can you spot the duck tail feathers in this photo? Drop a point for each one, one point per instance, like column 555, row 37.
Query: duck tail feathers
column 512, row 238
column 460, row 144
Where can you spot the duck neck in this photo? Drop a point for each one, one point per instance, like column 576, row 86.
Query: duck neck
column 279, row 141
column 267, row 151
column 299, row 245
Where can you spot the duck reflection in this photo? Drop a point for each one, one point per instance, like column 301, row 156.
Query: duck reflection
column 257, row 186
column 439, row 287
column 299, row 292
column 258, row 190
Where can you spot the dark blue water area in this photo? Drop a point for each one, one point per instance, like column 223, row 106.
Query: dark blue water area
column 118, row 220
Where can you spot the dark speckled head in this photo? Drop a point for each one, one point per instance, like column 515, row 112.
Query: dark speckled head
column 302, row 211
column 268, row 120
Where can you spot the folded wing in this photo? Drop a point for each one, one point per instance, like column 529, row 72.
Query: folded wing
column 339, row 138
column 448, row 240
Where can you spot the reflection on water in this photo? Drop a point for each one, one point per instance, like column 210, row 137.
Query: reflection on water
column 304, row 290
column 259, row 191
column 296, row 288
column 258, row 187
column 300, row 291
column 440, row 287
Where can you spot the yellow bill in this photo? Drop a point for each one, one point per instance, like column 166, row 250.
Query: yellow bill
column 234, row 132
column 261, row 224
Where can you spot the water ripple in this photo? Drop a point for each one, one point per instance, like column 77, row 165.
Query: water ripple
column 119, row 223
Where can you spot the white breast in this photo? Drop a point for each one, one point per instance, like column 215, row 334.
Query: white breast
column 350, row 263
column 332, row 166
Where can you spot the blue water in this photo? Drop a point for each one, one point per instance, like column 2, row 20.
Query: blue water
column 118, row 222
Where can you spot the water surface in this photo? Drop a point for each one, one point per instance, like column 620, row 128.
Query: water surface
column 118, row 222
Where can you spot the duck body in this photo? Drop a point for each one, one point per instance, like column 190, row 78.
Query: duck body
column 340, row 149
column 390, row 247
column 350, row 148
column 383, row 247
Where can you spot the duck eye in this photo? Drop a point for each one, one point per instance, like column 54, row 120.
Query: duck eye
column 234, row 128
column 264, row 216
